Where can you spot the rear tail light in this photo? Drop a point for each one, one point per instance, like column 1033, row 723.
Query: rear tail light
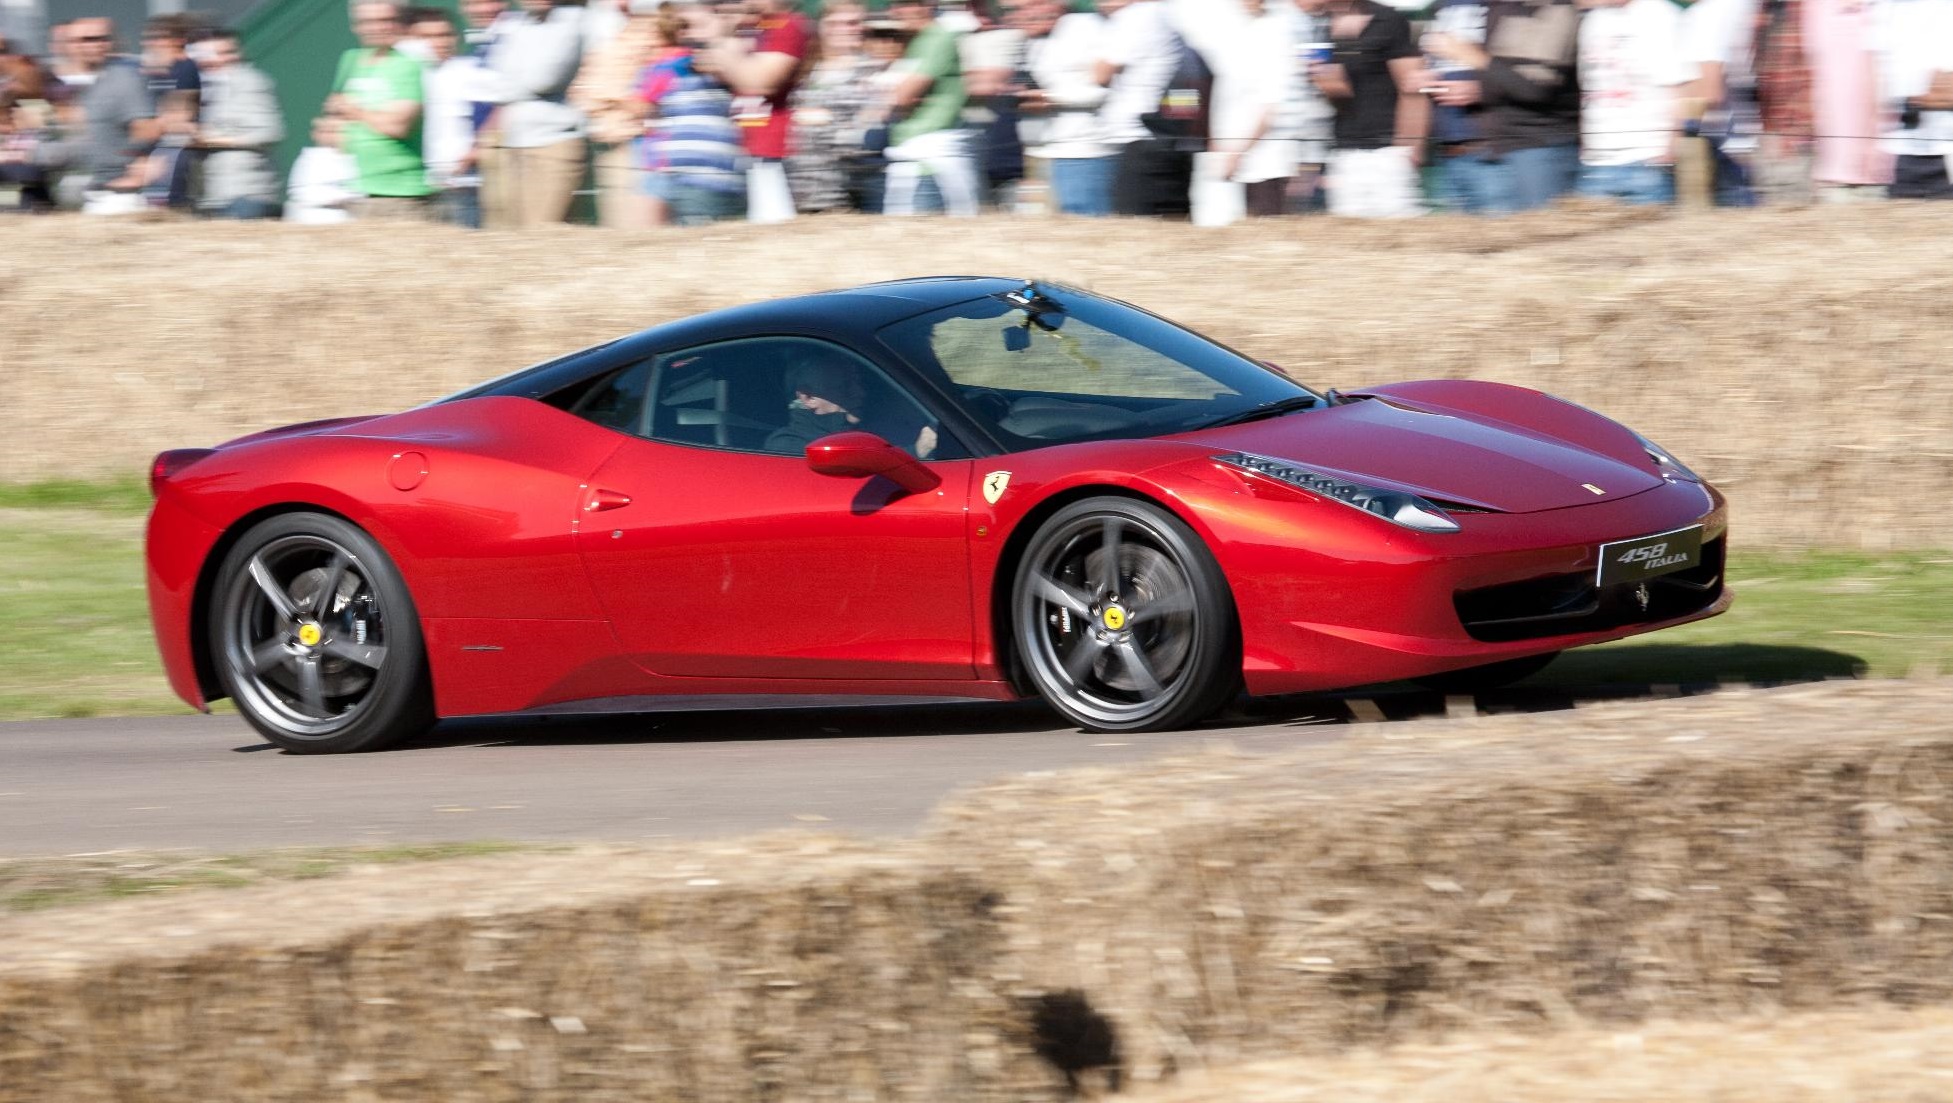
column 167, row 464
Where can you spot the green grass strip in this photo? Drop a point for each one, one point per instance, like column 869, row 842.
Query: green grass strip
column 75, row 638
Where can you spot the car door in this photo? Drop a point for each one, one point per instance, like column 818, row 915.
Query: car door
column 717, row 552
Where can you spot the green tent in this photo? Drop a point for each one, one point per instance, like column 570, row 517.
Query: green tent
column 297, row 44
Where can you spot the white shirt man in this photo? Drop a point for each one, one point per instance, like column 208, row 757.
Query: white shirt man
column 1719, row 39
column 1631, row 77
column 1061, row 63
column 1914, row 39
column 1308, row 118
column 1143, row 50
column 1253, row 66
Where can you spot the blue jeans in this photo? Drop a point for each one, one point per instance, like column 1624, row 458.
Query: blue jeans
column 460, row 207
column 1083, row 185
column 692, row 205
column 1642, row 184
column 245, row 207
column 1733, row 185
column 1468, row 183
column 1532, row 178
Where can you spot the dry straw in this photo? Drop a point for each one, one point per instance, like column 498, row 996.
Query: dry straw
column 1743, row 853
column 1813, row 1058
column 1799, row 357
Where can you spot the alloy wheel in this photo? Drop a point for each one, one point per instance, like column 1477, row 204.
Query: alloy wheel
column 1110, row 618
column 306, row 635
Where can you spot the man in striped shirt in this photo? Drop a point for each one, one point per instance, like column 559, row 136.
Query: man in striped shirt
column 693, row 149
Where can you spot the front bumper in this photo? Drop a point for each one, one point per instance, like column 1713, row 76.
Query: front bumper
column 1316, row 617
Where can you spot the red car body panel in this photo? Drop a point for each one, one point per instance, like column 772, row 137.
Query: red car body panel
column 554, row 562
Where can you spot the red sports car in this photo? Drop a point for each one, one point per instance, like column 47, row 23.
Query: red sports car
column 953, row 487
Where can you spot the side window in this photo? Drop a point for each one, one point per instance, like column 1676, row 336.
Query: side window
column 762, row 394
column 614, row 401
column 779, row 394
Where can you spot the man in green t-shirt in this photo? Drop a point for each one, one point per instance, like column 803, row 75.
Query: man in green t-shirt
column 928, row 135
column 377, row 96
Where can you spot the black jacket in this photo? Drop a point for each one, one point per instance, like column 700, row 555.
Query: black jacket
column 1531, row 91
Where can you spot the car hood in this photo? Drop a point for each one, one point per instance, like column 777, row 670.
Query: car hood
column 1447, row 456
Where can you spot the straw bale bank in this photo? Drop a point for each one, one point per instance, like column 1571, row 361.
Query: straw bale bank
column 1746, row 853
column 1798, row 357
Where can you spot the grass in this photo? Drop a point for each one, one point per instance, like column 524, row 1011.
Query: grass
column 120, row 495
column 1796, row 617
column 75, row 638
column 35, row 884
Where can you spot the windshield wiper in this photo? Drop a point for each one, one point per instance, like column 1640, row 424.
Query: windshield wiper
column 1267, row 410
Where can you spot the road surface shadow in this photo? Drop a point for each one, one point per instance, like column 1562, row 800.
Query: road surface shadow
column 1650, row 671
column 1619, row 673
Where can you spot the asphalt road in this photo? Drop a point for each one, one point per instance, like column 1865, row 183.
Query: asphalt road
column 211, row 783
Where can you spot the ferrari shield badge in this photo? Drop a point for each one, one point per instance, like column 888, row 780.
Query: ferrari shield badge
column 994, row 485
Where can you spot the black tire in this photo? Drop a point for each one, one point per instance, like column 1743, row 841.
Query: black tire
column 315, row 637
column 1153, row 643
column 1472, row 679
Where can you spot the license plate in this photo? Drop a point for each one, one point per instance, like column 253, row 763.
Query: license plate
column 1645, row 557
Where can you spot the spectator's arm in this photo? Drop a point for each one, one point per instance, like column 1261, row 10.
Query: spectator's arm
column 544, row 67
column 1332, row 80
column 1538, row 78
column 910, row 92
column 759, row 74
column 986, row 82
column 395, row 120
column 1067, row 86
column 1708, row 86
column 1413, row 106
column 259, row 124
column 1939, row 94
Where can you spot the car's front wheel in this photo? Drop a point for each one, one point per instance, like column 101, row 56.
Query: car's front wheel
column 316, row 639
column 1123, row 620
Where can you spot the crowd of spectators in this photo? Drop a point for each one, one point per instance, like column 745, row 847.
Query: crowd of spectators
column 694, row 111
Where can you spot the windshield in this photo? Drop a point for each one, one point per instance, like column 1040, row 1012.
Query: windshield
column 1050, row 365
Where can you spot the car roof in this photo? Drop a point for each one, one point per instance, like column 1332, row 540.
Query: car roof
column 850, row 315
column 850, row 311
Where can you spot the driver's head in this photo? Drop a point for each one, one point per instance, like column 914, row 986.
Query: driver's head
column 826, row 385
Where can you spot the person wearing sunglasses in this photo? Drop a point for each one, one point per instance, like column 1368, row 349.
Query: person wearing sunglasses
column 120, row 114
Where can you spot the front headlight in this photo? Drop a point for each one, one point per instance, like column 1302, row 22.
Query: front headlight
column 1394, row 506
column 1666, row 462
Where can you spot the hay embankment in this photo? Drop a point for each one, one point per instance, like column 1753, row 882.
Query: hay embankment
column 803, row 969
column 1798, row 357
column 1889, row 1056
column 1706, row 857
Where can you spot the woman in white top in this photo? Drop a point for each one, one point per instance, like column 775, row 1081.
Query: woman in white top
column 1253, row 68
column 1060, row 111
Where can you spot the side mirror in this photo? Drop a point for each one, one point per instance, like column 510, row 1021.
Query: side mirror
column 859, row 455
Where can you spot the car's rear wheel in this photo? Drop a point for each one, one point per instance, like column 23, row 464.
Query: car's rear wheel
column 1490, row 676
column 1123, row 620
column 316, row 639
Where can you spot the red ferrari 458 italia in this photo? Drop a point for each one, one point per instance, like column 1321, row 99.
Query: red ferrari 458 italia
column 953, row 487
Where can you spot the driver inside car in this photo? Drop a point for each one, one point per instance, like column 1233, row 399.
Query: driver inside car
column 829, row 397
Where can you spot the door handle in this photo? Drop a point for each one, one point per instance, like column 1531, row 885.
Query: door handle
column 596, row 500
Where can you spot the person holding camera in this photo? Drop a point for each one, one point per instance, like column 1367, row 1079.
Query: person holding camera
column 1915, row 47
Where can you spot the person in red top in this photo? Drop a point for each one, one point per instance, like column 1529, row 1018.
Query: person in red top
column 762, row 66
